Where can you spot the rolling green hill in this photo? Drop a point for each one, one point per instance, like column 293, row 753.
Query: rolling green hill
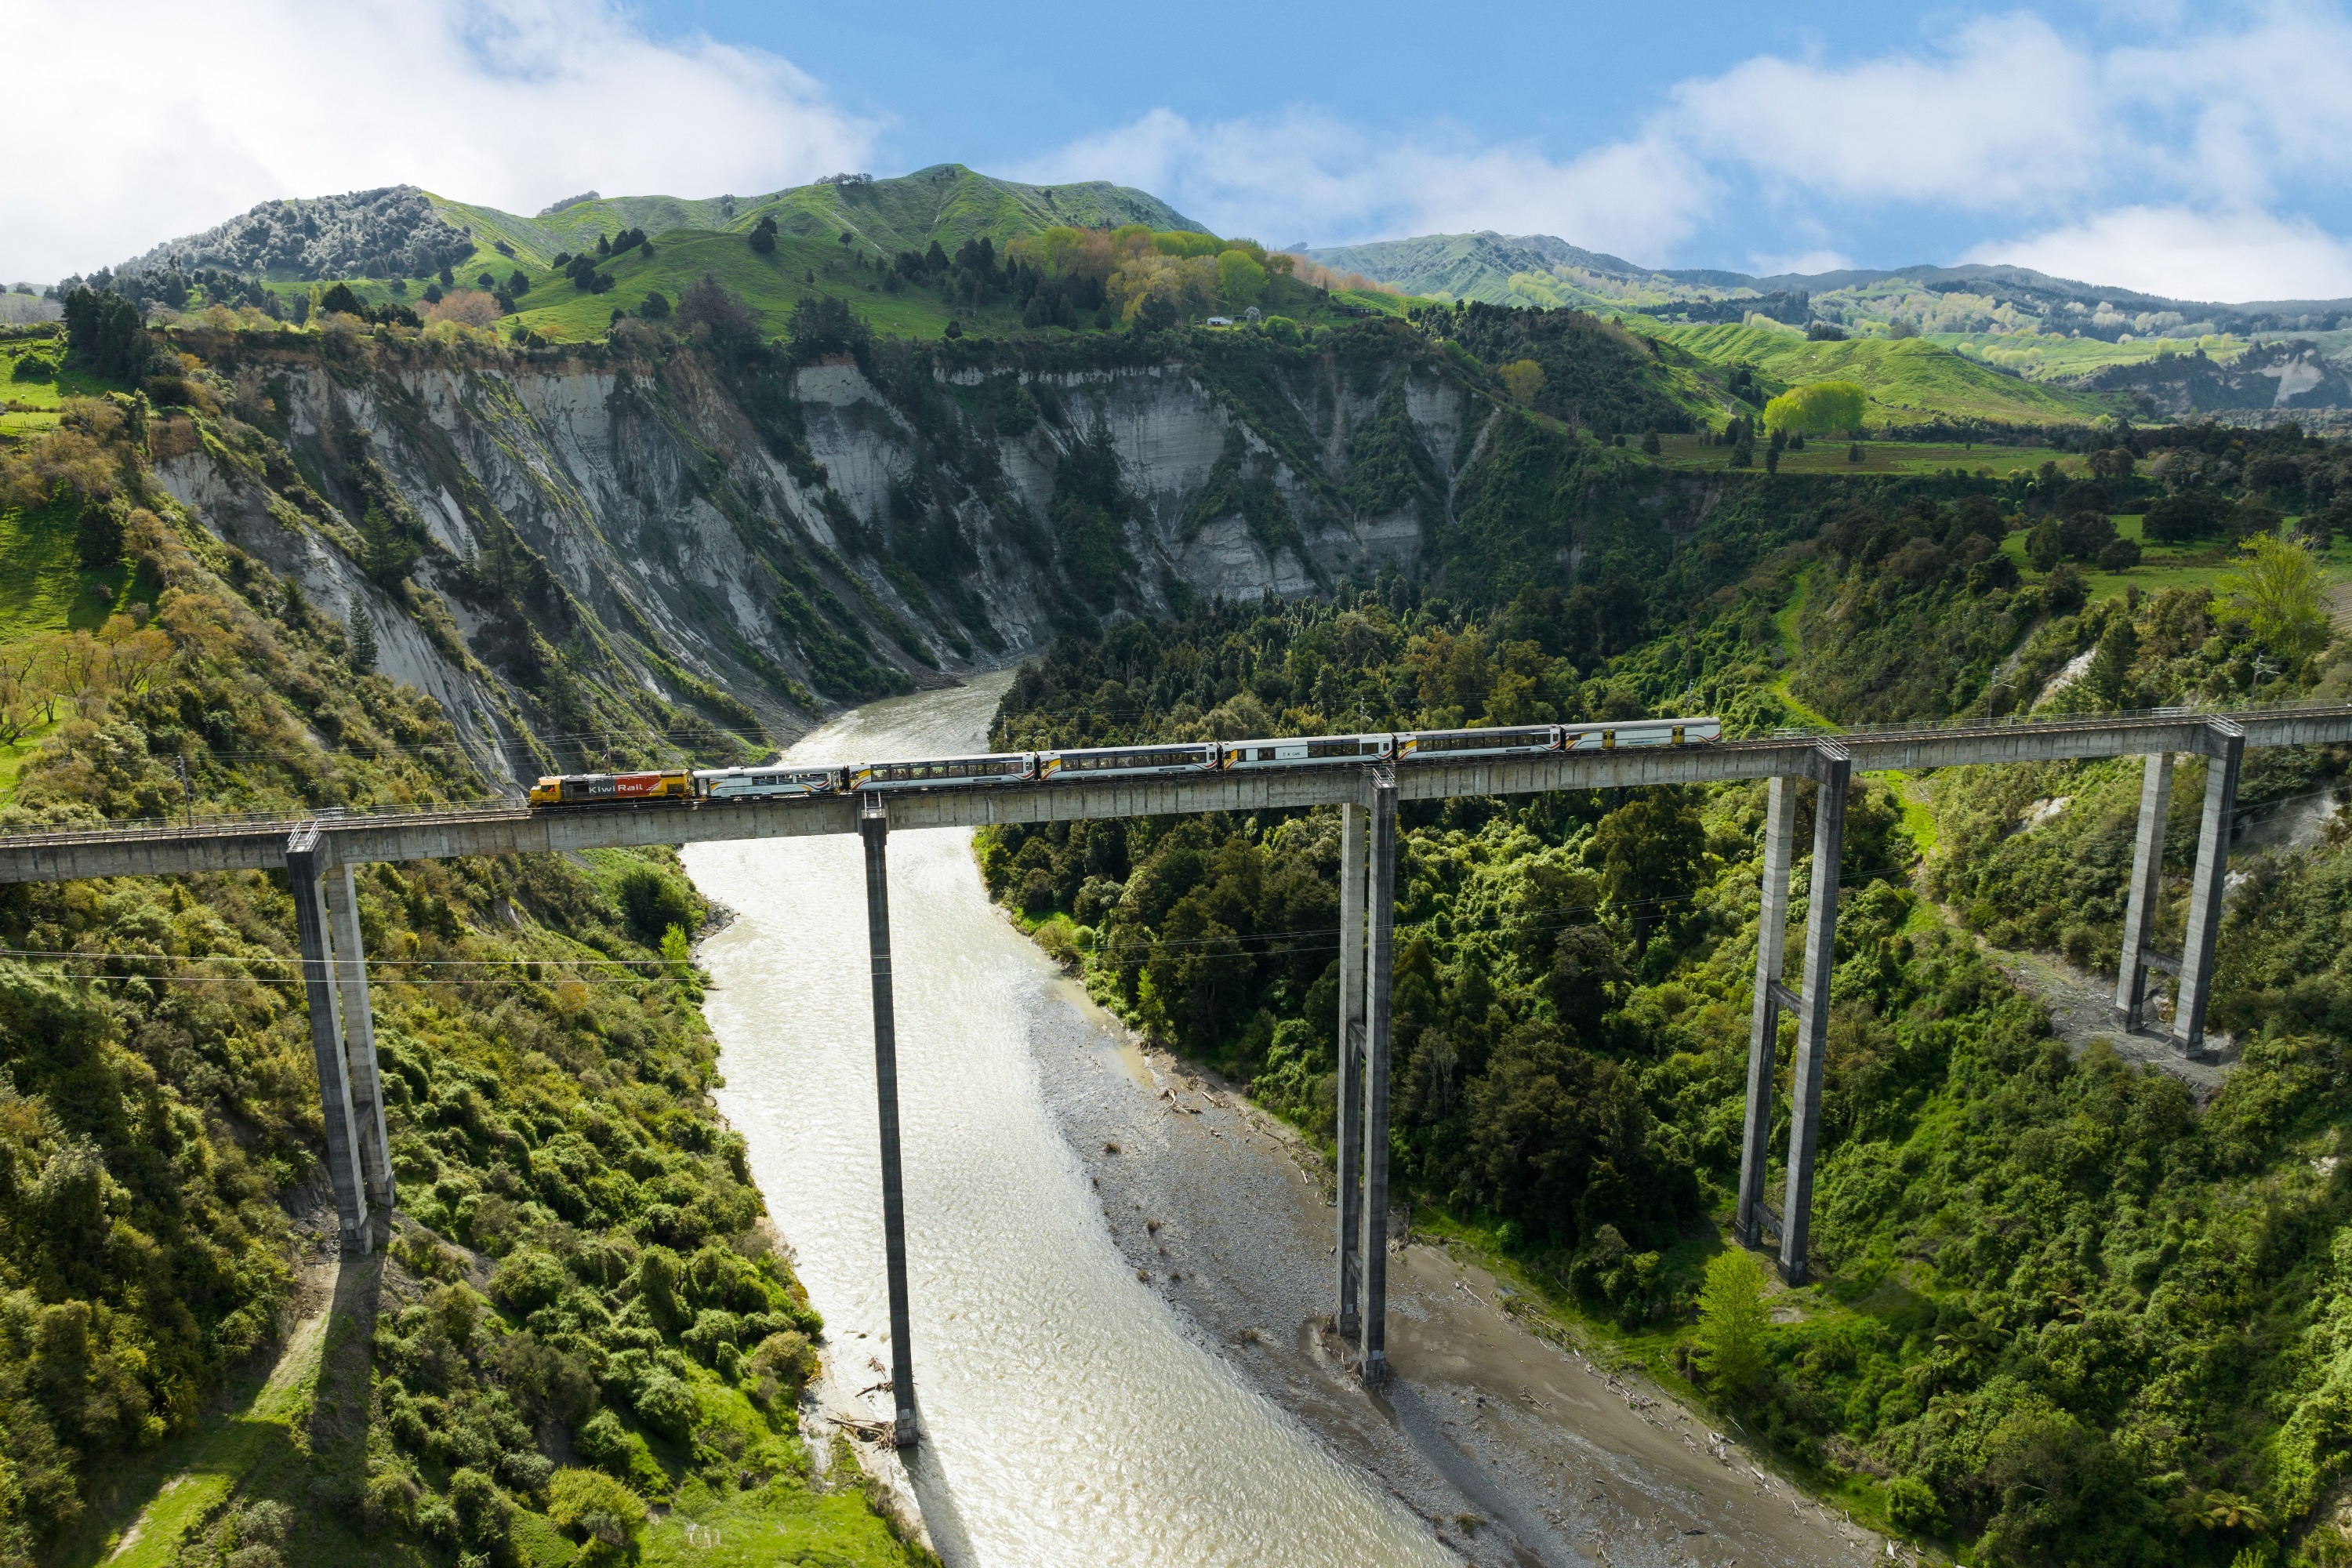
column 1910, row 381
column 947, row 203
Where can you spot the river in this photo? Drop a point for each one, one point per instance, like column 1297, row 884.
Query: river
column 1069, row 1415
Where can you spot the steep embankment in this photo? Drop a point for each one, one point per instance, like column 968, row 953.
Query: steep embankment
column 647, row 548
column 581, row 1310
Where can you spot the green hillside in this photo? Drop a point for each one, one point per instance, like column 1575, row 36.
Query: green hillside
column 1910, row 381
column 947, row 203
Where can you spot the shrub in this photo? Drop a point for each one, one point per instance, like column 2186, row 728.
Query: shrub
column 528, row 1279
column 485, row 1514
column 667, row 1404
column 781, row 1366
column 590, row 1506
column 652, row 902
column 1912, row 1504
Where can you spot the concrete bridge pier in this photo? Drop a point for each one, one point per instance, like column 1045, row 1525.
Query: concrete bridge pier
column 1347, row 1318
column 2224, row 745
column 874, row 827
column 1754, row 1221
column 1380, row 972
column 2140, row 894
column 350, row 957
column 1833, row 767
column 307, row 864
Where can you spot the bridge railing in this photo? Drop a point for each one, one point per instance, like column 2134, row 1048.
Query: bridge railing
column 2279, row 710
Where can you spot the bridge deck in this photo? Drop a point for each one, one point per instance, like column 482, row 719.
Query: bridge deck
column 248, row 843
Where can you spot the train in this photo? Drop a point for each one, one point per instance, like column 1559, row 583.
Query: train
column 784, row 780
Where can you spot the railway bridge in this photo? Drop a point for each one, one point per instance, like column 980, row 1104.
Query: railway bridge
column 318, row 853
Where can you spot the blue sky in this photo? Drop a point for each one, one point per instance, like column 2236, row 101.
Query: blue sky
column 2202, row 151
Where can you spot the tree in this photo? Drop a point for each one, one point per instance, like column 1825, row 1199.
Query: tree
column 518, row 283
column 720, row 313
column 387, row 552
column 1652, row 444
column 359, row 637
column 1650, row 852
column 1522, row 379
column 1240, row 280
column 2110, row 672
column 1821, row 408
column 97, row 533
column 1732, row 1321
column 341, row 299
column 107, row 333
column 763, row 236
column 656, row 307
column 2046, row 546
column 2276, row 589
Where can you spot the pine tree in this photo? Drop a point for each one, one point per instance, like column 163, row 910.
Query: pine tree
column 360, row 636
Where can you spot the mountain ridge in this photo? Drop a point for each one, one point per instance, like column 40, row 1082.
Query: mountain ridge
column 408, row 231
column 1490, row 267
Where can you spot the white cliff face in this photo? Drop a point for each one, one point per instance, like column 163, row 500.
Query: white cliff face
column 635, row 526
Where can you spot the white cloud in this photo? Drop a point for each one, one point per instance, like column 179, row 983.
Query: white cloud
column 2160, row 165
column 166, row 120
column 1306, row 175
column 2009, row 115
column 1803, row 262
column 2227, row 258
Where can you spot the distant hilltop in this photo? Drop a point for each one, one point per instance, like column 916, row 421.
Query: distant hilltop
column 404, row 231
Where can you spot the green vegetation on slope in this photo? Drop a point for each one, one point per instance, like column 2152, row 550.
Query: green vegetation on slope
column 582, row 1301
column 947, row 203
column 1909, row 381
column 2064, row 1314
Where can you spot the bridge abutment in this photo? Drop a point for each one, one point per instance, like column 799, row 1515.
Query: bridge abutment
column 874, row 827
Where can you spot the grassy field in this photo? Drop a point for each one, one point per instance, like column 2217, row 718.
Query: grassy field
column 2199, row 565
column 1827, row 457
column 32, row 385
column 43, row 587
column 948, row 202
column 1909, row 381
column 2041, row 356
column 770, row 284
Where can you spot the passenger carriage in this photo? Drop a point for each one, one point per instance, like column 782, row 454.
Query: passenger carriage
column 1004, row 767
column 1308, row 751
column 1450, row 745
column 767, row 783
column 1129, row 761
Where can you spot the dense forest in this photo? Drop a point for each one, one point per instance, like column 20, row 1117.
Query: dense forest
column 2069, row 1311
column 583, row 1312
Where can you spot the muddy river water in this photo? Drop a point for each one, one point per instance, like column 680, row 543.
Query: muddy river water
column 1094, row 1392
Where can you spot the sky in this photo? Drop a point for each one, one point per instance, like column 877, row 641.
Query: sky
column 2202, row 151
